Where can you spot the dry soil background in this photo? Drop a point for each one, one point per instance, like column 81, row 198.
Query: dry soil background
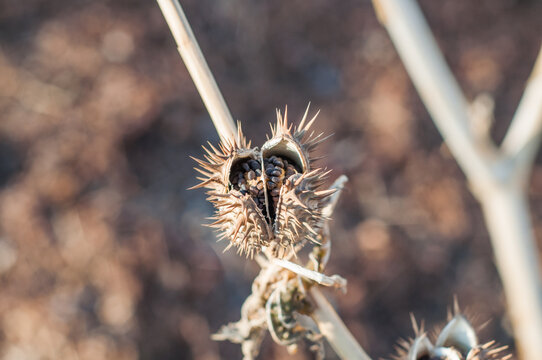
column 102, row 255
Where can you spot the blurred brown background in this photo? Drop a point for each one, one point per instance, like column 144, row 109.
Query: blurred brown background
column 102, row 255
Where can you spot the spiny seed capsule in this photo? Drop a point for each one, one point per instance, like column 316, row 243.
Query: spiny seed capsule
column 270, row 197
column 456, row 341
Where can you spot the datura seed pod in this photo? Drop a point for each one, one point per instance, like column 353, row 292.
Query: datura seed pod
column 270, row 198
column 456, row 341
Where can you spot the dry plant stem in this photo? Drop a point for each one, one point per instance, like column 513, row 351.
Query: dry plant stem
column 508, row 220
column 197, row 67
column 498, row 176
column 523, row 137
column 332, row 327
column 345, row 345
column 428, row 70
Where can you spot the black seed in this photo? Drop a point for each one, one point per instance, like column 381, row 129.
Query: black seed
column 254, row 164
column 270, row 170
column 276, row 172
column 271, row 185
column 254, row 190
column 278, row 162
column 274, row 179
column 272, row 158
column 285, row 163
column 245, row 166
column 290, row 170
column 275, row 192
column 259, row 185
column 251, row 175
column 258, row 172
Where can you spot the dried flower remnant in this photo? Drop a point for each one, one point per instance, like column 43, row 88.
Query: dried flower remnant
column 456, row 341
column 278, row 303
column 269, row 198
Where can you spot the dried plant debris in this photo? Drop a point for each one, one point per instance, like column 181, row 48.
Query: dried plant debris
column 270, row 198
column 278, row 303
column 456, row 341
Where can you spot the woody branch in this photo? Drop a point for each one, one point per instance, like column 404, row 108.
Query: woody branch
column 498, row 175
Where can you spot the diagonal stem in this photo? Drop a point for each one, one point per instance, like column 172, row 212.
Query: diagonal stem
column 523, row 137
column 333, row 328
column 197, row 67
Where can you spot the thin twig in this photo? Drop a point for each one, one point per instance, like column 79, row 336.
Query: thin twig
column 332, row 327
column 523, row 137
column 338, row 184
column 328, row 321
column 498, row 177
column 197, row 67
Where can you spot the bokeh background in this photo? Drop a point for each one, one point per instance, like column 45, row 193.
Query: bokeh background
column 102, row 255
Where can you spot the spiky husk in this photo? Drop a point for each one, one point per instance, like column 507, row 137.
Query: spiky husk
column 299, row 211
column 456, row 341
column 293, row 218
column 218, row 162
column 297, row 142
column 411, row 350
column 239, row 220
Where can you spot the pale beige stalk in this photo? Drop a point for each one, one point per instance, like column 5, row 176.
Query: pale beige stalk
column 498, row 176
column 197, row 67
column 523, row 137
column 333, row 328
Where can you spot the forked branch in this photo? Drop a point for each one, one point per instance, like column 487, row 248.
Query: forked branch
column 497, row 176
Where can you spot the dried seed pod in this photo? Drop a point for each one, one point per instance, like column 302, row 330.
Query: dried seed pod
column 299, row 210
column 456, row 341
column 240, row 220
column 268, row 198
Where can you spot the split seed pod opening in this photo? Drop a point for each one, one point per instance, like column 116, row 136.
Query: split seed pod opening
column 270, row 198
